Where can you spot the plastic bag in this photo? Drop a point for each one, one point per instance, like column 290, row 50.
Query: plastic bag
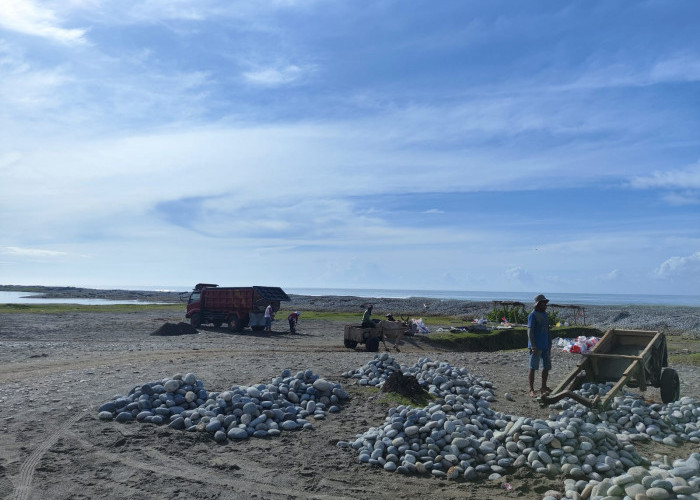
column 420, row 326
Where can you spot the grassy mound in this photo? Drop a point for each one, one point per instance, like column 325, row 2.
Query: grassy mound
column 497, row 340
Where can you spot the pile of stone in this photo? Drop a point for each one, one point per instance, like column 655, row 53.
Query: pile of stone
column 662, row 480
column 633, row 420
column 438, row 378
column 288, row 402
column 375, row 372
column 459, row 435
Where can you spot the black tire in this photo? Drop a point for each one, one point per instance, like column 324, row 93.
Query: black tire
column 234, row 324
column 372, row 344
column 196, row 320
column 670, row 385
column 350, row 344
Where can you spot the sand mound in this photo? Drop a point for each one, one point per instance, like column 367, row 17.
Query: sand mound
column 169, row 329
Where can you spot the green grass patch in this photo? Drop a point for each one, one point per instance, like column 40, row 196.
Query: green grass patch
column 417, row 401
column 390, row 399
column 351, row 318
column 684, row 359
column 496, row 340
column 79, row 308
column 322, row 315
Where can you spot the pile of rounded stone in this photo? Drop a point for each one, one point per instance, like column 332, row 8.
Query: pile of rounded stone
column 438, row 378
column 460, row 435
column 678, row 480
column 634, row 420
column 375, row 372
column 288, row 402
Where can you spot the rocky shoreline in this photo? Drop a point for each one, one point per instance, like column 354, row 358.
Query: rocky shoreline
column 668, row 319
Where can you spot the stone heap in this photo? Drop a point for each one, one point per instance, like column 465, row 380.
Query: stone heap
column 662, row 480
column 375, row 372
column 459, row 435
column 288, row 402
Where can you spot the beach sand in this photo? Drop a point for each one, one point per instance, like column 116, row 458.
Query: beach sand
column 57, row 369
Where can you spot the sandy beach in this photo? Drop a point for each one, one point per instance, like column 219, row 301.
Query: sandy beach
column 57, row 369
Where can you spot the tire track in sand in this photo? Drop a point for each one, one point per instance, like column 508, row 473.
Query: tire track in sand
column 249, row 480
column 26, row 471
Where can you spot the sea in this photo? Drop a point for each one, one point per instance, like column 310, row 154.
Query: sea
column 470, row 295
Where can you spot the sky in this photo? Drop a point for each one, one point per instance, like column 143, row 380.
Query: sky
column 543, row 146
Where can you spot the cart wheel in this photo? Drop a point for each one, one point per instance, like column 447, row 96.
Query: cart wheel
column 350, row 344
column 670, row 385
column 372, row 344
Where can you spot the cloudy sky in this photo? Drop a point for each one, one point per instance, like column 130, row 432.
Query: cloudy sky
column 544, row 146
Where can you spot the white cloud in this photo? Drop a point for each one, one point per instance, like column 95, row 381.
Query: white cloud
column 276, row 76
column 30, row 252
column 28, row 17
column 681, row 267
column 434, row 211
column 677, row 68
column 519, row 274
column 682, row 178
column 682, row 198
column 613, row 275
column 681, row 67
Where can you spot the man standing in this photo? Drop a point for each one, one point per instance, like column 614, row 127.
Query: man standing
column 367, row 318
column 539, row 342
column 268, row 319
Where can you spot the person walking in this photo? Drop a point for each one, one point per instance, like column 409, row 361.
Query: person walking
column 539, row 343
column 268, row 319
column 293, row 318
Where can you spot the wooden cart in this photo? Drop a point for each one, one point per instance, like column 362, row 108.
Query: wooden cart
column 636, row 358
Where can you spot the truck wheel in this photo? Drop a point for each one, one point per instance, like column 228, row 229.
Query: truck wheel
column 234, row 324
column 372, row 344
column 350, row 344
column 670, row 385
column 196, row 320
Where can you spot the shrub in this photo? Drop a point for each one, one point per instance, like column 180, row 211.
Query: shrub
column 517, row 315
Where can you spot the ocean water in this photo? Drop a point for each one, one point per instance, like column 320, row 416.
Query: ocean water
column 471, row 295
column 525, row 297
column 32, row 298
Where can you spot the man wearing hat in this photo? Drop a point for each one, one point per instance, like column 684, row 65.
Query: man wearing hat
column 540, row 344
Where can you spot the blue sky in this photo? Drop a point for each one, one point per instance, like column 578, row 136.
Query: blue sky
column 541, row 146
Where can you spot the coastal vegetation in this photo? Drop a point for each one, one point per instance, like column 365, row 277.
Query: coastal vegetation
column 501, row 339
column 80, row 308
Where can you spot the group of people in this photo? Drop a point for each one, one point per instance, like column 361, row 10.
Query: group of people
column 293, row 319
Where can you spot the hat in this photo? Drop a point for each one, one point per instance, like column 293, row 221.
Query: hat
column 297, row 313
column 540, row 298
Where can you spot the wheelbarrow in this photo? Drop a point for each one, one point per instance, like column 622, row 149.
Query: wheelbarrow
column 636, row 358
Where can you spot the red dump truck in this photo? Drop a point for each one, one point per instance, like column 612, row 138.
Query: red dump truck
column 237, row 306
